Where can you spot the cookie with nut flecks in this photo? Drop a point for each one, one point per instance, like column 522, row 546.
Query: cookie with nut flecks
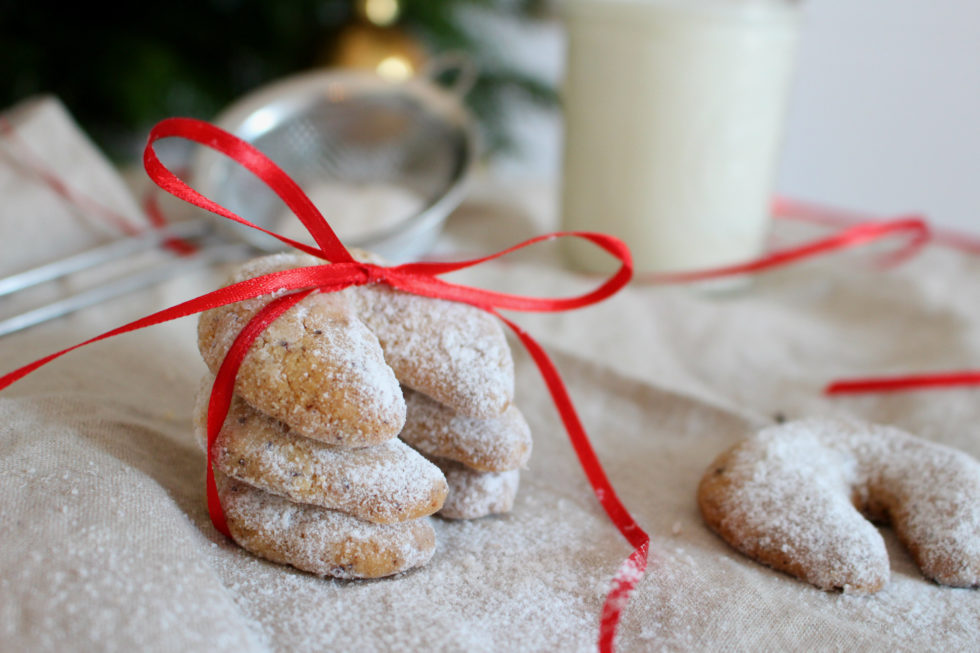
column 317, row 368
column 321, row 541
column 384, row 484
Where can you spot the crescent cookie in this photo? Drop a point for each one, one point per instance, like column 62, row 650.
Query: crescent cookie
column 317, row 367
column 796, row 497
column 474, row 494
column 491, row 445
column 321, row 541
column 453, row 352
column 383, row 484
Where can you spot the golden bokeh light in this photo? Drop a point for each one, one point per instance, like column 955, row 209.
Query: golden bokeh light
column 380, row 12
column 395, row 68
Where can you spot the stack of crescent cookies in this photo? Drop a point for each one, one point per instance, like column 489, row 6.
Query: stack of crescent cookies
column 309, row 465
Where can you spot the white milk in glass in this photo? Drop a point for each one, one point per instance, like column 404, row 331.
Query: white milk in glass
column 673, row 120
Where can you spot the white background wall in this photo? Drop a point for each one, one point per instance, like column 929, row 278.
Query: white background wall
column 884, row 116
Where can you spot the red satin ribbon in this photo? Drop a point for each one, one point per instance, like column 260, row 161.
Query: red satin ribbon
column 151, row 207
column 859, row 234
column 784, row 207
column 787, row 208
column 856, row 230
column 291, row 286
column 904, row 382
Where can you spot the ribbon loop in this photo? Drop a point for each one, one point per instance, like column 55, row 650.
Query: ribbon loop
column 244, row 153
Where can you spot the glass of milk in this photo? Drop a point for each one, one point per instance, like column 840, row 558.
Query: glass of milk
column 673, row 120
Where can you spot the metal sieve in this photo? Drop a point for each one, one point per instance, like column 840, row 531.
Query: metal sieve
column 348, row 128
column 353, row 129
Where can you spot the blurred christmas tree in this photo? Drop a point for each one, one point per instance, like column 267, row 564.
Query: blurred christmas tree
column 119, row 68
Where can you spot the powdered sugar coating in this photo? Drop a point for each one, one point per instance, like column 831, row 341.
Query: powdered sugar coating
column 321, row 541
column 383, row 484
column 493, row 445
column 792, row 496
column 317, row 367
column 455, row 353
column 474, row 494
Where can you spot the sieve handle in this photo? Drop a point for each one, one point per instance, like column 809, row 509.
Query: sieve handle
column 458, row 66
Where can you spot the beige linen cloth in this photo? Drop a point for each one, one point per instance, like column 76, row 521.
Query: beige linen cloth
column 106, row 543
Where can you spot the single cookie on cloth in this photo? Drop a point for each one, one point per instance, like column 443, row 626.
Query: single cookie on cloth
column 474, row 494
column 383, row 484
column 321, row 541
column 798, row 497
column 491, row 445
column 317, row 368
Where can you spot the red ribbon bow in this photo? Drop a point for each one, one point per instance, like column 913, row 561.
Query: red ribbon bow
column 416, row 278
